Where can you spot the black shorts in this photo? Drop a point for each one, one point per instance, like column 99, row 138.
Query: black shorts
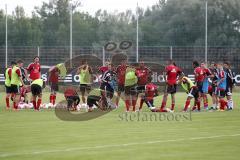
column 54, row 87
column 72, row 100
column 120, row 88
column 8, row 89
column 15, row 89
column 108, row 88
column 171, row 89
column 131, row 90
column 36, row 89
column 140, row 88
column 229, row 90
column 92, row 100
column 194, row 92
column 85, row 88
column 221, row 93
column 200, row 86
column 214, row 90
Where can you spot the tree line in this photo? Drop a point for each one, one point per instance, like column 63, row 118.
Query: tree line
column 168, row 22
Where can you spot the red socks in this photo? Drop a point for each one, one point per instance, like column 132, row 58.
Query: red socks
column 198, row 105
column 134, row 102
column 15, row 105
column 141, row 104
column 127, row 103
column 163, row 105
column 173, row 106
column 52, row 99
column 186, row 105
column 39, row 103
column 7, row 102
column 34, row 104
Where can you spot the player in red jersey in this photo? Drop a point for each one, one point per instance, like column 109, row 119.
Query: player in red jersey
column 53, row 82
column 143, row 73
column 151, row 91
column 207, row 75
column 172, row 73
column 34, row 69
column 121, row 71
column 7, row 76
column 72, row 98
column 200, row 78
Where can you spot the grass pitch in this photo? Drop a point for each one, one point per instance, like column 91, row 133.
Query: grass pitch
column 41, row 135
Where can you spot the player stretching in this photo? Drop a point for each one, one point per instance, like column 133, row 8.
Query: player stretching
column 34, row 69
column 192, row 92
column 143, row 74
column 130, row 88
column 121, row 71
column 7, row 76
column 221, row 86
column 36, row 89
column 172, row 73
column 85, row 74
column 16, row 82
column 230, row 84
column 207, row 74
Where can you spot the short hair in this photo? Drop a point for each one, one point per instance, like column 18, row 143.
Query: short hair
column 227, row 63
column 196, row 63
column 19, row 61
column 13, row 63
column 36, row 57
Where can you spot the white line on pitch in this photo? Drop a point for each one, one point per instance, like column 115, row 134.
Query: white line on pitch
column 116, row 145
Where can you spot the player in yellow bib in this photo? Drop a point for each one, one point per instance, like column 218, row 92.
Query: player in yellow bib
column 130, row 88
column 7, row 76
column 16, row 82
column 192, row 91
column 85, row 76
column 36, row 89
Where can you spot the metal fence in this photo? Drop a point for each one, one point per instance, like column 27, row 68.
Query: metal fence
column 183, row 56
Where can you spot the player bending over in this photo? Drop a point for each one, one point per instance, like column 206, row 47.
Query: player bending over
column 192, row 92
column 72, row 98
column 97, row 98
column 36, row 89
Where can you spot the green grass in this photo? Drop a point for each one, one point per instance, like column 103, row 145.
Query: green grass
column 41, row 135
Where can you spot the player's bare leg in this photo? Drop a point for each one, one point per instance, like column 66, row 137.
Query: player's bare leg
column 16, row 101
column 118, row 98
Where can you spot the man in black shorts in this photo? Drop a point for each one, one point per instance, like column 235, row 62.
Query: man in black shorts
column 36, row 89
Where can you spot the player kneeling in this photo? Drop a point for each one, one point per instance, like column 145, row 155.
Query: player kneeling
column 36, row 89
column 151, row 91
column 192, row 91
column 72, row 99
